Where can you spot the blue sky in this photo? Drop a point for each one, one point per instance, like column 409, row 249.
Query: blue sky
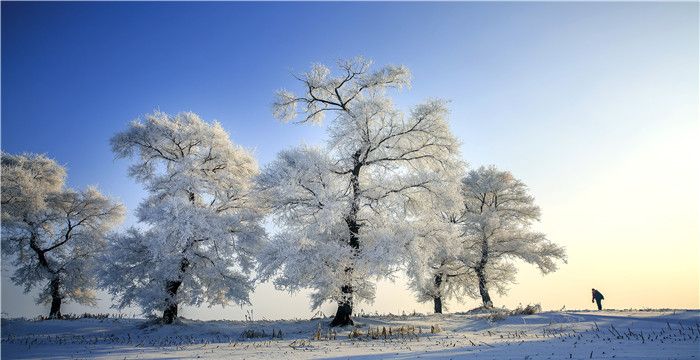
column 565, row 95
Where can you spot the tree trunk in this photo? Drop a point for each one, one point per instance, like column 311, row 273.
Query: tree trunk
column 342, row 316
column 481, row 275
column 437, row 299
column 54, row 284
column 171, row 287
column 170, row 312
column 483, row 290
column 437, row 304
column 55, row 312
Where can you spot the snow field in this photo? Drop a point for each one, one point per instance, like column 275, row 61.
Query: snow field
column 550, row 335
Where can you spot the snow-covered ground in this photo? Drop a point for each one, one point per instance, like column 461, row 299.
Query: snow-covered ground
column 548, row 335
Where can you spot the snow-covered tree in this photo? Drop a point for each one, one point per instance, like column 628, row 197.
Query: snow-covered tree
column 435, row 260
column 202, row 225
column 497, row 219
column 53, row 233
column 344, row 210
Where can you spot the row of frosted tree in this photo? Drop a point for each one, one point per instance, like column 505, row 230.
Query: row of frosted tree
column 387, row 193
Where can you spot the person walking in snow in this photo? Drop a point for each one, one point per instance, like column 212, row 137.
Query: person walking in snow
column 597, row 297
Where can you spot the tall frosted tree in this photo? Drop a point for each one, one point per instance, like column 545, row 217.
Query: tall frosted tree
column 53, row 233
column 341, row 208
column 498, row 214
column 201, row 224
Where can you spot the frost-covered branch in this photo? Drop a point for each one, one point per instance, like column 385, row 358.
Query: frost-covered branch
column 323, row 92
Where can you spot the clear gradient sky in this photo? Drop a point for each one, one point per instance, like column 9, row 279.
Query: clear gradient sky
column 594, row 106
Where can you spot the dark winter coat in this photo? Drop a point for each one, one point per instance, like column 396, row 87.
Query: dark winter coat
column 597, row 295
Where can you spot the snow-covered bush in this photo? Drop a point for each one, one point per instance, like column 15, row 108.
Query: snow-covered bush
column 527, row 310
